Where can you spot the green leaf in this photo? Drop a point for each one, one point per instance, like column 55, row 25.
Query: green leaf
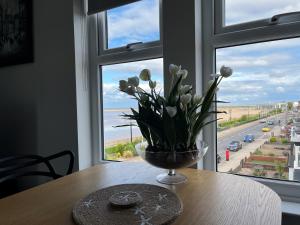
column 169, row 129
column 172, row 98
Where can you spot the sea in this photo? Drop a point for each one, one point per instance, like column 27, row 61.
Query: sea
column 113, row 118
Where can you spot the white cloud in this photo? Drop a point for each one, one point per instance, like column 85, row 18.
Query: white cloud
column 280, row 89
column 238, row 11
column 140, row 20
column 236, row 60
column 133, row 68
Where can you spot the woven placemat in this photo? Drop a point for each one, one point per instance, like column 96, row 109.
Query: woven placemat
column 159, row 206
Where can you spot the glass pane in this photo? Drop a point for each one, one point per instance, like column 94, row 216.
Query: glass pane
column 240, row 11
column 262, row 114
column 119, row 142
column 136, row 22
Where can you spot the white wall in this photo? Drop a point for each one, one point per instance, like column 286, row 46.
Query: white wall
column 38, row 100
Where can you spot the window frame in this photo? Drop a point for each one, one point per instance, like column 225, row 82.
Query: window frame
column 220, row 27
column 215, row 38
column 99, row 56
column 102, row 35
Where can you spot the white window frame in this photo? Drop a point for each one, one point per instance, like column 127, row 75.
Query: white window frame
column 219, row 9
column 217, row 36
column 99, row 56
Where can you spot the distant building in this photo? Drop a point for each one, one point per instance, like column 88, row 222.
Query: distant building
column 281, row 105
column 295, row 140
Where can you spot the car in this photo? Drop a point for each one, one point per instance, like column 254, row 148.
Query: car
column 263, row 121
column 249, row 138
column 270, row 122
column 265, row 129
column 234, row 146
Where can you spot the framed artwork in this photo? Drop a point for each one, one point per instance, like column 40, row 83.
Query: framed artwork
column 16, row 32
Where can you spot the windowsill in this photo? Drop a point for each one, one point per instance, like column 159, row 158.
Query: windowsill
column 291, row 208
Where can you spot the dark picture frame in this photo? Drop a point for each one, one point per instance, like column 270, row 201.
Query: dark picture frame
column 16, row 32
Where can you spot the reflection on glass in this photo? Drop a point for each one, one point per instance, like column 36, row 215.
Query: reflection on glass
column 136, row 22
column 119, row 142
column 240, row 11
column 255, row 137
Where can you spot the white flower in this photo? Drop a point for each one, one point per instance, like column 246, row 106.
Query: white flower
column 197, row 99
column 123, row 85
column 133, row 81
column 145, row 75
column 182, row 73
column 226, row 71
column 174, row 69
column 130, row 90
column 184, row 89
column 152, row 84
column 185, row 99
column 171, row 110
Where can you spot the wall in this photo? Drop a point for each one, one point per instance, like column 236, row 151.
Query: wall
column 38, row 100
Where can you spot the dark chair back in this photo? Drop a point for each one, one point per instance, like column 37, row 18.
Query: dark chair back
column 14, row 167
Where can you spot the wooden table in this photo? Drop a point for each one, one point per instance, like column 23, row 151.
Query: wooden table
column 208, row 198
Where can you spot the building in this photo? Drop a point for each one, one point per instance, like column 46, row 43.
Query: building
column 295, row 140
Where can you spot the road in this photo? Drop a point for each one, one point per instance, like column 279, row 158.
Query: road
column 239, row 135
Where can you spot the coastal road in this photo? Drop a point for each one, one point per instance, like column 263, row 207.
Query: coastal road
column 239, row 135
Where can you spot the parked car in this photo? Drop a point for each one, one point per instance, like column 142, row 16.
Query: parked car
column 235, row 146
column 270, row 122
column 263, row 121
column 265, row 129
column 249, row 138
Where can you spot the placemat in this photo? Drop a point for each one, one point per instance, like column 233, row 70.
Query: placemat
column 158, row 206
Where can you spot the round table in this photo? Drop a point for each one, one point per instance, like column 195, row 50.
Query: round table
column 209, row 198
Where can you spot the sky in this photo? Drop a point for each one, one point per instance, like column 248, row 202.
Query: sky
column 264, row 73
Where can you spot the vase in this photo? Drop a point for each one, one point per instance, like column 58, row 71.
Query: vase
column 171, row 160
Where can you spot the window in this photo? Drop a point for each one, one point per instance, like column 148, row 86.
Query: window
column 133, row 23
column 242, row 15
column 124, row 41
column 119, row 142
column 241, row 11
column 262, row 93
column 135, row 26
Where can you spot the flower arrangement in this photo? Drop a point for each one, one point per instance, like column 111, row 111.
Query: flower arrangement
column 171, row 123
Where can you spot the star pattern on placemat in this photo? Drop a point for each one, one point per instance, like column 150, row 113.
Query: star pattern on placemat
column 138, row 210
column 157, row 208
column 89, row 203
column 162, row 197
column 145, row 221
column 125, row 197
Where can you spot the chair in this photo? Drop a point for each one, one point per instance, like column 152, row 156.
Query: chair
column 14, row 167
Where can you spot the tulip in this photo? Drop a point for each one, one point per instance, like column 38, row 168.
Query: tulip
column 123, row 85
column 171, row 111
column 145, row 75
column 130, row 90
column 184, row 89
column 133, row 81
column 174, row 69
column 185, row 99
column 197, row 99
column 226, row 71
column 152, row 84
column 182, row 73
